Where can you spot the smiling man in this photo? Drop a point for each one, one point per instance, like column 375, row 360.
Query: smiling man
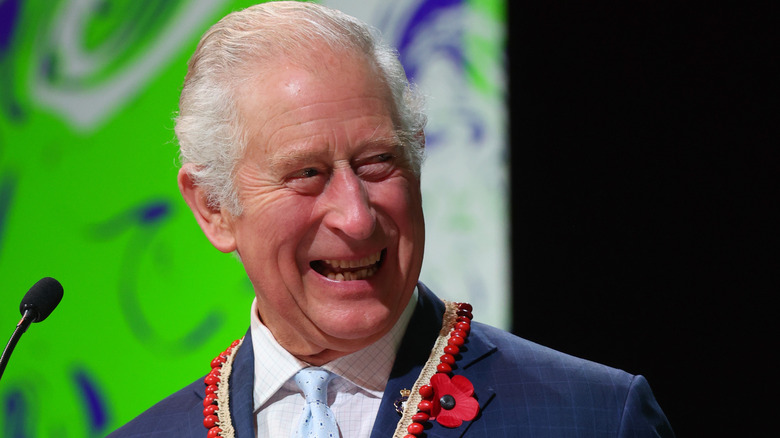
column 301, row 141
column 330, row 229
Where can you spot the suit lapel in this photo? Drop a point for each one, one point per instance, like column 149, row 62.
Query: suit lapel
column 477, row 348
column 242, row 380
column 412, row 354
column 414, row 351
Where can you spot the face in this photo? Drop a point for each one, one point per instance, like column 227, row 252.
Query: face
column 332, row 230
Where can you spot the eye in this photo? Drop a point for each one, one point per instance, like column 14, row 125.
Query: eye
column 377, row 167
column 381, row 158
column 308, row 173
column 308, row 181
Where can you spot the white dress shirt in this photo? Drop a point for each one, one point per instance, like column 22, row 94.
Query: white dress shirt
column 354, row 394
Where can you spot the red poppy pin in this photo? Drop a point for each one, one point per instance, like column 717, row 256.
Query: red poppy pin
column 453, row 400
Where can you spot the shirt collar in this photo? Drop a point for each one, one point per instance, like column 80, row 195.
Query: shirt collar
column 368, row 368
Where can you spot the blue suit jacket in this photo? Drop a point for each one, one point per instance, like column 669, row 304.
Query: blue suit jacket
column 523, row 389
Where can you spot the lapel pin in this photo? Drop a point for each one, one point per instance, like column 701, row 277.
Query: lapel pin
column 400, row 402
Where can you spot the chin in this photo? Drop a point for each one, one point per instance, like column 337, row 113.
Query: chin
column 359, row 322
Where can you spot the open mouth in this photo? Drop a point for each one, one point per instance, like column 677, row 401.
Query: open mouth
column 349, row 270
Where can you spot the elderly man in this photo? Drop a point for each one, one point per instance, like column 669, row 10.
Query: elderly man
column 301, row 142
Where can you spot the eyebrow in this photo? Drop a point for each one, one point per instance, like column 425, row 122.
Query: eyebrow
column 293, row 158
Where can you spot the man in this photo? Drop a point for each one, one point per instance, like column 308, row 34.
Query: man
column 301, row 143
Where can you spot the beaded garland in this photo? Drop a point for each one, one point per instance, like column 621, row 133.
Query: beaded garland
column 456, row 325
column 216, row 404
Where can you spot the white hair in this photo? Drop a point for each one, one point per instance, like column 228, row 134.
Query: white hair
column 209, row 126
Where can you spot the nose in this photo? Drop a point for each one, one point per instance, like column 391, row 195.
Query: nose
column 348, row 209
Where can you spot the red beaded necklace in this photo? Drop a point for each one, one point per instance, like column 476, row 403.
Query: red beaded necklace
column 437, row 394
column 216, row 407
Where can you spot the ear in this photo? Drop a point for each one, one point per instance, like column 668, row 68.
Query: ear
column 214, row 221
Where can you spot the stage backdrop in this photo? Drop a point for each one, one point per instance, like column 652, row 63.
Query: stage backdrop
column 88, row 195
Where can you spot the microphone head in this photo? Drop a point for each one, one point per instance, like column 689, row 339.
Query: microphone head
column 42, row 298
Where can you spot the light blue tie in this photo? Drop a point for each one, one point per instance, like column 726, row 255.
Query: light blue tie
column 317, row 420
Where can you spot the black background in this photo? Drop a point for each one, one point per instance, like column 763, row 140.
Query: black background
column 644, row 198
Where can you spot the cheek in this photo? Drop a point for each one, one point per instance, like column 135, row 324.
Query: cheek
column 271, row 233
column 402, row 203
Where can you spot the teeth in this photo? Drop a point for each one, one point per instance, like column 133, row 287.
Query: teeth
column 351, row 264
column 356, row 275
column 349, row 270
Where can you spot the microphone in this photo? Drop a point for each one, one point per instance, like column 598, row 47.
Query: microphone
column 37, row 305
column 41, row 299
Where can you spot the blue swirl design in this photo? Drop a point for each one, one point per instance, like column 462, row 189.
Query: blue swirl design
column 9, row 10
column 23, row 420
column 93, row 402
column 17, row 413
column 7, row 190
column 426, row 14
column 9, row 16
column 423, row 31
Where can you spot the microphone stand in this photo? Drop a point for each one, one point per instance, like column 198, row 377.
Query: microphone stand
column 27, row 319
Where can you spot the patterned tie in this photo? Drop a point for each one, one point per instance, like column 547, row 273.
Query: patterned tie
column 317, row 420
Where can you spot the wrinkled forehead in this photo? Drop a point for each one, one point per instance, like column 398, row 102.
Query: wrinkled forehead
column 290, row 95
column 320, row 60
column 289, row 83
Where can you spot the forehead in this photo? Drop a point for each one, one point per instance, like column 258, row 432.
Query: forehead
column 331, row 99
